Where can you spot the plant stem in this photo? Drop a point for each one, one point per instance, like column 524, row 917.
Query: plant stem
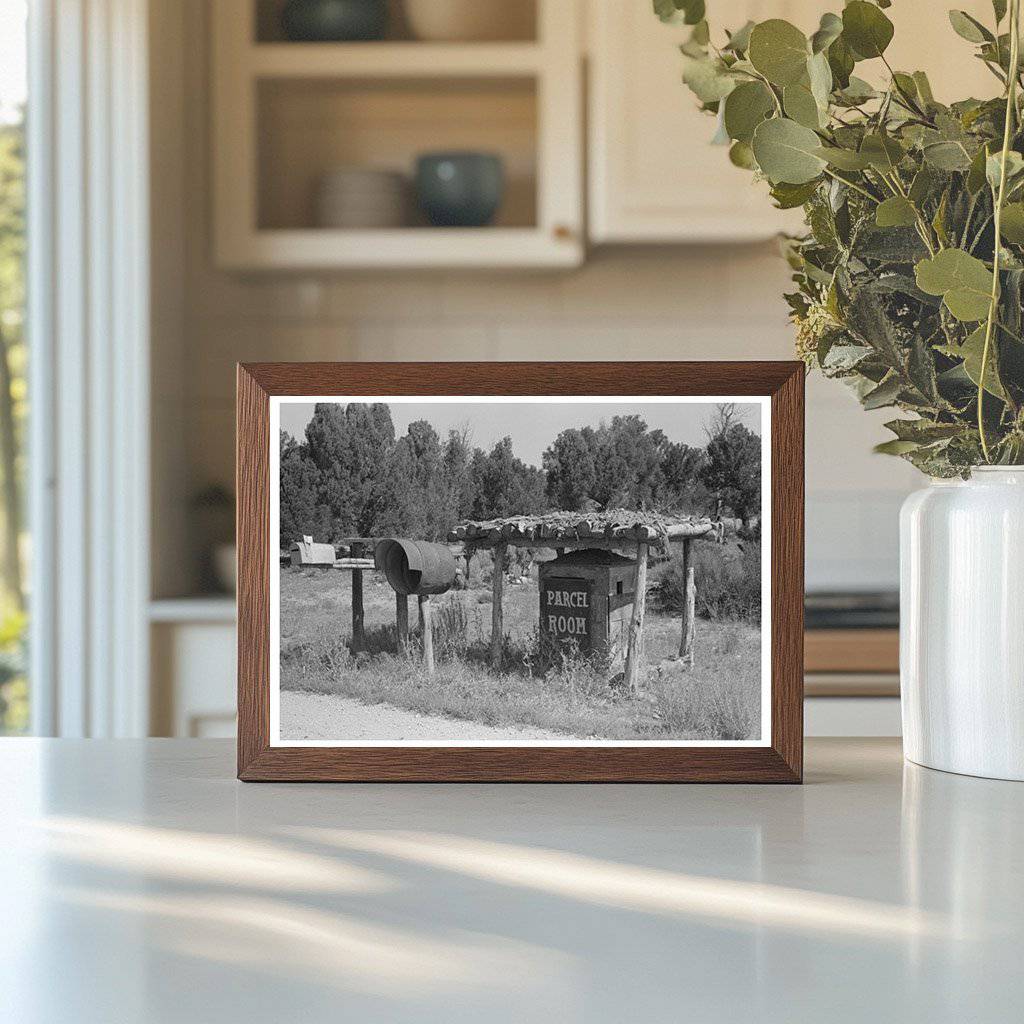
column 853, row 185
column 1011, row 109
column 907, row 99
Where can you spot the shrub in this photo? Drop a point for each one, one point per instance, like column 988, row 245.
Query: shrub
column 727, row 577
column 451, row 631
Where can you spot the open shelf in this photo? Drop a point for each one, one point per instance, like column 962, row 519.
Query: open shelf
column 520, row 25
column 309, row 127
column 388, row 60
column 286, row 114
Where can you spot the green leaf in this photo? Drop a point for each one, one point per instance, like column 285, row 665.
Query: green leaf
column 866, row 29
column 969, row 28
column 963, row 281
column 939, row 220
column 819, row 74
column 707, row 78
column 801, row 106
column 745, row 108
column 947, row 156
column 999, row 8
column 779, row 51
column 895, row 212
column 829, row 30
column 857, row 91
column 890, row 245
column 787, row 152
column 690, row 12
column 883, row 152
column 840, row 61
column 844, row 159
column 788, row 196
column 739, row 41
column 666, row 10
column 924, row 87
column 741, row 155
column 993, row 167
column 905, row 84
column 922, row 185
column 971, row 351
column 976, row 173
column 923, row 431
column 921, row 369
column 721, row 136
column 895, row 447
column 843, row 358
column 701, row 34
column 1012, row 224
column 885, row 394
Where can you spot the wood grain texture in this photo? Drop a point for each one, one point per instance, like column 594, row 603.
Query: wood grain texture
column 852, row 650
column 779, row 762
column 252, row 528
column 787, row 569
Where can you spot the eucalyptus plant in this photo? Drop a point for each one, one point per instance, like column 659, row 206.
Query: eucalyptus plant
column 910, row 278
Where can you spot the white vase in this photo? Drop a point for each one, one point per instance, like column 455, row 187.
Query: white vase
column 962, row 624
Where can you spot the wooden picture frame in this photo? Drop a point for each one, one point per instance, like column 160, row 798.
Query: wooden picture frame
column 778, row 759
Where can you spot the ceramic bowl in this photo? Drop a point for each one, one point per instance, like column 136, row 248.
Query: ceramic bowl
column 458, row 189
column 332, row 21
column 471, row 20
column 359, row 197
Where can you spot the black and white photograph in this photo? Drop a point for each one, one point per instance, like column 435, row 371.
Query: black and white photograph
column 519, row 571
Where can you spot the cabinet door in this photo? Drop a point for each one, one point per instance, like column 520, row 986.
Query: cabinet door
column 653, row 174
column 654, row 177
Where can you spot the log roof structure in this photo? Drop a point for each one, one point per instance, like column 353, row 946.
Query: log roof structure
column 612, row 528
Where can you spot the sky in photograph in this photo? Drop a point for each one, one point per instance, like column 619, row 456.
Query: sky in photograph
column 533, row 426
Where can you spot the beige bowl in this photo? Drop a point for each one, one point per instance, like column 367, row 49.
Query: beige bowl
column 471, row 20
column 362, row 198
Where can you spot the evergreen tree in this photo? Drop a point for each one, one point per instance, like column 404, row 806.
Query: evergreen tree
column 350, row 447
column 569, row 466
column 300, row 512
column 732, row 470
column 507, row 486
column 458, row 456
column 683, row 488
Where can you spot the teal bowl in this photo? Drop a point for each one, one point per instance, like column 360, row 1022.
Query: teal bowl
column 460, row 190
column 334, row 21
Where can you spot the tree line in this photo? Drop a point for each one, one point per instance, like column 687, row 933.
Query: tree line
column 351, row 476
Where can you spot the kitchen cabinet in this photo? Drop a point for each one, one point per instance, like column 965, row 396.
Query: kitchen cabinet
column 653, row 175
column 287, row 114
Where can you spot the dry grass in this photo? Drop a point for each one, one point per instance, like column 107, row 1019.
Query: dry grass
column 718, row 699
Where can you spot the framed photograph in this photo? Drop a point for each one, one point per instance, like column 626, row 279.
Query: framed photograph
column 579, row 572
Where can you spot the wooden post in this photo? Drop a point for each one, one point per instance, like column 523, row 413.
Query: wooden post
column 402, row 622
column 634, row 649
column 691, row 618
column 357, row 602
column 497, row 618
column 428, row 633
column 683, row 649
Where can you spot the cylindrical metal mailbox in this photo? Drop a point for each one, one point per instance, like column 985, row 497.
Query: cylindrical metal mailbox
column 415, row 566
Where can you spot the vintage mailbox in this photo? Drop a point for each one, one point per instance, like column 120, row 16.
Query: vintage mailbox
column 587, row 597
column 417, row 567
column 306, row 552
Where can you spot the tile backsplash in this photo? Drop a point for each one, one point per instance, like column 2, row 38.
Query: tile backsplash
column 708, row 303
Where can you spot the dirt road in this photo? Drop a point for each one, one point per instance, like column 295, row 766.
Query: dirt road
column 317, row 716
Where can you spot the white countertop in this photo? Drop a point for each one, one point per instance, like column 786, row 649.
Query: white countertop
column 140, row 882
